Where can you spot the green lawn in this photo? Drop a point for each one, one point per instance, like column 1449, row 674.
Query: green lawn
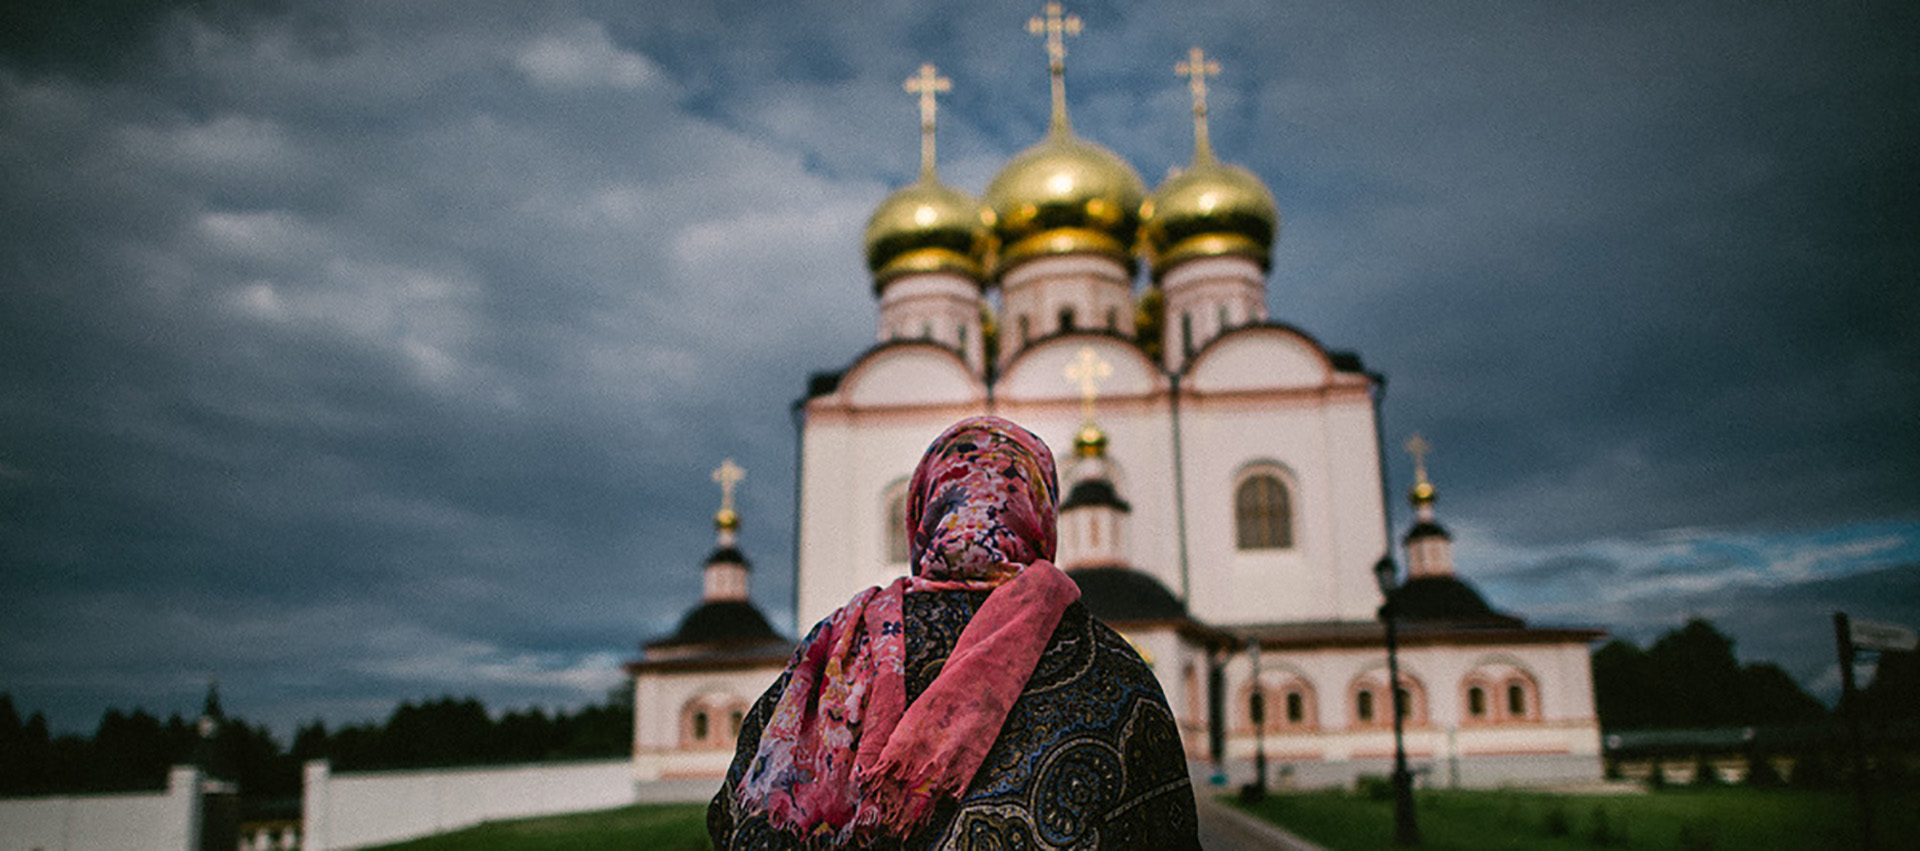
column 673, row 827
column 1682, row 819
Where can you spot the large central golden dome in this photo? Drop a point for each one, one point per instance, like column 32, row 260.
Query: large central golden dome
column 1064, row 196
column 926, row 226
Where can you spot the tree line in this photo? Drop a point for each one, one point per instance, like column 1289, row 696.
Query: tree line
column 1687, row 678
column 133, row 750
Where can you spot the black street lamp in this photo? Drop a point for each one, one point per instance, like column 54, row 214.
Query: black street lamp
column 1405, row 830
column 1259, row 712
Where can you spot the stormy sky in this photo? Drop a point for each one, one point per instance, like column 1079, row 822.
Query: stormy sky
column 353, row 352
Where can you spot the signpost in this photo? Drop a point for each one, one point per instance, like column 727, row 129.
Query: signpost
column 1850, row 637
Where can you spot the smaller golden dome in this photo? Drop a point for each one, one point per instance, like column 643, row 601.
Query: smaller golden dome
column 1064, row 195
column 926, row 227
column 726, row 520
column 1422, row 494
column 1090, row 441
column 1210, row 209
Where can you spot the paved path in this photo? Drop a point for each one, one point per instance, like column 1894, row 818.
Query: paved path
column 1224, row 828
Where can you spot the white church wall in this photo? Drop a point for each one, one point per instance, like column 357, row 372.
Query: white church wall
column 158, row 821
column 373, row 808
column 1261, row 359
column 911, row 375
column 664, row 744
column 1327, row 445
column 1561, row 743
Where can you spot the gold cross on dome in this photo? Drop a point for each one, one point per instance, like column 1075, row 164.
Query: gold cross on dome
column 928, row 84
column 727, row 476
column 1197, row 68
column 1086, row 371
column 1056, row 25
column 1418, row 447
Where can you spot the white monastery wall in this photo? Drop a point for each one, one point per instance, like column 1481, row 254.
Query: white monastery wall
column 160, row 821
column 374, row 808
column 666, row 743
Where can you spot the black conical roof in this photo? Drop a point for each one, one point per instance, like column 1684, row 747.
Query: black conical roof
column 1124, row 594
column 1446, row 599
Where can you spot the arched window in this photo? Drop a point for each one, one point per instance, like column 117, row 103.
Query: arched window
column 1500, row 690
column 1477, row 702
column 1263, row 513
column 1363, row 707
column 896, row 525
column 1370, row 695
column 1516, row 700
column 1286, row 701
column 699, row 726
column 1066, row 319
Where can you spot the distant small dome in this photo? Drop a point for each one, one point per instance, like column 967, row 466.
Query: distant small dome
column 723, row 622
column 926, row 226
column 1446, row 599
column 1210, row 209
column 1065, row 195
column 1422, row 493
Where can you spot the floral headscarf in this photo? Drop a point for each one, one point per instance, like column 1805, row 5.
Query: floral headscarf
column 982, row 503
column 842, row 754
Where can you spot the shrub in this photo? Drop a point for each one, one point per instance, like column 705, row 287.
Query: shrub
column 1704, row 774
column 1373, row 787
column 1558, row 824
column 1603, row 831
column 1698, row 836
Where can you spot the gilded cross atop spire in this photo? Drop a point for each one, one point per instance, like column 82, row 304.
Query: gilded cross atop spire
column 1056, row 25
column 928, row 84
column 1197, row 68
column 1086, row 371
column 728, row 476
column 1423, row 490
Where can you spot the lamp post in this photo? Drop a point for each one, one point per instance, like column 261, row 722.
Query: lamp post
column 1405, row 830
column 1259, row 707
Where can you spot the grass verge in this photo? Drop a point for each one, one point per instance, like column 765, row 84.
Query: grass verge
column 1679, row 819
column 666, row 827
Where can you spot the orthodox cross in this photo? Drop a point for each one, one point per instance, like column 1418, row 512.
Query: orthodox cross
column 1086, row 371
column 1418, row 447
column 1056, row 25
column 1197, row 68
column 927, row 84
column 728, row 475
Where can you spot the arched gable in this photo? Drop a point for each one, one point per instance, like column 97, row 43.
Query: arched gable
column 910, row 374
column 1039, row 372
column 1260, row 357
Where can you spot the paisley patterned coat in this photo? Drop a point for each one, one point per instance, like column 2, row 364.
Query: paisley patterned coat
column 1089, row 756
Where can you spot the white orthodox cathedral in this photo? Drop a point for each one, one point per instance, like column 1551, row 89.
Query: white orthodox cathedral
column 1224, row 490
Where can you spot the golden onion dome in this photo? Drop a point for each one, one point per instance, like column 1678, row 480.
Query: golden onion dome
column 926, row 226
column 1210, row 209
column 1064, row 196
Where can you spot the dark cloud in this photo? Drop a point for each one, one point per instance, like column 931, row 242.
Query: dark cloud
column 356, row 352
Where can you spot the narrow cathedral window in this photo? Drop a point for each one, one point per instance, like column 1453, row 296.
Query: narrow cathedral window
column 1066, row 319
column 897, row 528
column 1477, row 702
column 1026, row 330
column 1405, row 702
column 1263, row 514
column 1113, row 318
column 1516, row 700
column 699, row 726
column 1363, row 706
column 1296, row 707
column 1186, row 334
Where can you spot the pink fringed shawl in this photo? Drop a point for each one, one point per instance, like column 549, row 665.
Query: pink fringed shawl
column 843, row 754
